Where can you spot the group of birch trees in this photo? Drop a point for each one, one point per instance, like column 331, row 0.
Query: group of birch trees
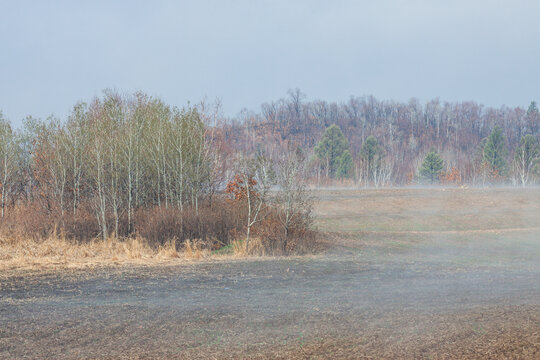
column 113, row 155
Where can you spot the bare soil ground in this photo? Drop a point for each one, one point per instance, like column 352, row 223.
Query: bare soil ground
column 409, row 273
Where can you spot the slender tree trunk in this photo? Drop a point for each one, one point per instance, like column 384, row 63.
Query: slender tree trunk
column 3, row 199
column 4, row 181
column 248, row 191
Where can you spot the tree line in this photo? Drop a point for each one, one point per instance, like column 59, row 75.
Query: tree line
column 127, row 164
column 387, row 141
column 332, row 152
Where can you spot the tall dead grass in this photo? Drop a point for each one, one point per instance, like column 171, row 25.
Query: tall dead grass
column 55, row 250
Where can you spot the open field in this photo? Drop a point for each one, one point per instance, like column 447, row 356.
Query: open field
column 409, row 273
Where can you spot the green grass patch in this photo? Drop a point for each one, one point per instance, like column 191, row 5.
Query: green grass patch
column 225, row 250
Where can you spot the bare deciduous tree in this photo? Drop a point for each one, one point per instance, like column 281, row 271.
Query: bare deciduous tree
column 9, row 150
column 292, row 199
column 256, row 178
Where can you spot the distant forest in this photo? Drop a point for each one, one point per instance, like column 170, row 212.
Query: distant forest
column 404, row 134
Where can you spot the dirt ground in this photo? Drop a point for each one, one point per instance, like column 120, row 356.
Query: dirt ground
column 409, row 273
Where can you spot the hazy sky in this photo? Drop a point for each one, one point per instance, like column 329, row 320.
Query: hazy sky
column 54, row 53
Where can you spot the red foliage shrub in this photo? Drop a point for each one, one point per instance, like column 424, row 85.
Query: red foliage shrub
column 451, row 177
column 238, row 190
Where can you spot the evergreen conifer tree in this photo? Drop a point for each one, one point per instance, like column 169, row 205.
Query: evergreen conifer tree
column 372, row 154
column 431, row 167
column 331, row 147
column 345, row 165
column 495, row 152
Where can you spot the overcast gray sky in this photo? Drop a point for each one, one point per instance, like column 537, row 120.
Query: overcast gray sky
column 54, row 53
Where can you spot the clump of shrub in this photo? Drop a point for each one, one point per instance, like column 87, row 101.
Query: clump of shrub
column 299, row 238
column 214, row 224
column 217, row 224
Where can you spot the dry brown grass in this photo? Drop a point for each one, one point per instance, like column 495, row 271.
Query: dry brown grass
column 57, row 252
column 256, row 247
column 194, row 249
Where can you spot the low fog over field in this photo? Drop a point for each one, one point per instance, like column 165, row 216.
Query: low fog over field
column 407, row 273
column 270, row 179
